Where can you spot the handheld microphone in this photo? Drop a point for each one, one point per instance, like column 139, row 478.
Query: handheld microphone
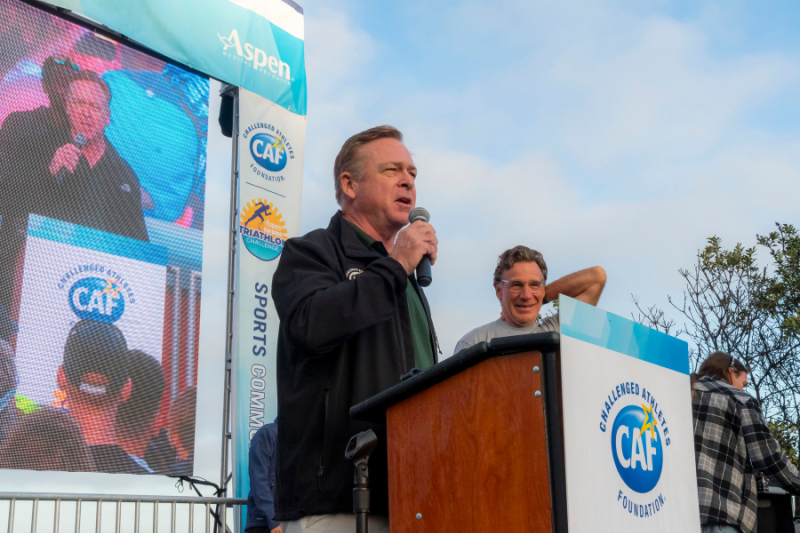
column 80, row 142
column 424, row 277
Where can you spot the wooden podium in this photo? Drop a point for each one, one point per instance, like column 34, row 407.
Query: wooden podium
column 475, row 443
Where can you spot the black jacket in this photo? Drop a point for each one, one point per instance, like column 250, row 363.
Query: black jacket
column 345, row 335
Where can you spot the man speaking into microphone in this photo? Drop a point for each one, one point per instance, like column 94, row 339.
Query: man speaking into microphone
column 95, row 186
column 353, row 321
column 71, row 173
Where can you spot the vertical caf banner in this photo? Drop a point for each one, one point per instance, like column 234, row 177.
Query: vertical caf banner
column 628, row 437
column 271, row 147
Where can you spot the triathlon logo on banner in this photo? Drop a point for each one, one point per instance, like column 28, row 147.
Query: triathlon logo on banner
column 638, row 441
column 271, row 151
column 263, row 229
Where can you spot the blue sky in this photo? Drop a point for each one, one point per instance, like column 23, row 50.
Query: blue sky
column 614, row 133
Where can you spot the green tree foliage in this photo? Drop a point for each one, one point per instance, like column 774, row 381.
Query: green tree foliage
column 786, row 436
column 782, row 291
column 733, row 305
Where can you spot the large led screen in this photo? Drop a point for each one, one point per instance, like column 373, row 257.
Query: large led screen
column 102, row 177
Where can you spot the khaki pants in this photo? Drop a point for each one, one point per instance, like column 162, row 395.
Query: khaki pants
column 334, row 523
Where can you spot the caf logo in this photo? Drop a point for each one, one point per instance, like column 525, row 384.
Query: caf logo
column 97, row 299
column 269, row 151
column 636, row 445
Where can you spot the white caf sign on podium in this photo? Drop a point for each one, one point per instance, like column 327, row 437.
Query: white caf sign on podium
column 627, row 411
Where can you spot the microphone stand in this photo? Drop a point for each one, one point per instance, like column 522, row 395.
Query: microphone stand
column 358, row 450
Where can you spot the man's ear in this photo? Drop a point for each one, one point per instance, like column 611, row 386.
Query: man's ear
column 349, row 185
column 125, row 393
column 498, row 290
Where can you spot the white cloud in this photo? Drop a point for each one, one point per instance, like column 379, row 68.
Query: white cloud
column 666, row 95
column 337, row 56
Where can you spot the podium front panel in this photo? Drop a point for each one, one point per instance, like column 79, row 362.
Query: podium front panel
column 627, row 418
column 470, row 453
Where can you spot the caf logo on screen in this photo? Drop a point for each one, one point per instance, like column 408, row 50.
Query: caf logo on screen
column 98, row 299
column 263, row 229
column 638, row 439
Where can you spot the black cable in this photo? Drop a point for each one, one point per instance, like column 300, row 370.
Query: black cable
column 218, row 492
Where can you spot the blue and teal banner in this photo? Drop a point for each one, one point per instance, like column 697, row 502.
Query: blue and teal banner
column 257, row 45
column 271, row 148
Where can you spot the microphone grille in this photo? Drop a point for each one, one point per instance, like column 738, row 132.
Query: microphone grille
column 80, row 140
column 419, row 213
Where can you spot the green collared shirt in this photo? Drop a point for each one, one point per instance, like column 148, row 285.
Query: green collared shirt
column 420, row 329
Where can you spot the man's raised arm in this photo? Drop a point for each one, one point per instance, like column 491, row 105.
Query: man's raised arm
column 584, row 285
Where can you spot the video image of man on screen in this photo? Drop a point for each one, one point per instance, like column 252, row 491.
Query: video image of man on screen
column 99, row 189
column 56, row 161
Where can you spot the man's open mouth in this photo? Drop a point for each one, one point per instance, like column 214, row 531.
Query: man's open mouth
column 405, row 201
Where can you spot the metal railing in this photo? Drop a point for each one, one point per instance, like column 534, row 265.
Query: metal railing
column 131, row 513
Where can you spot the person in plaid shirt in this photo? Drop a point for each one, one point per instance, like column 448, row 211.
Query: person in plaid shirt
column 731, row 439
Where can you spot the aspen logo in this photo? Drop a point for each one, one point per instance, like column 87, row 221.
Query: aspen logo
column 638, row 442
column 97, row 292
column 252, row 56
column 263, row 229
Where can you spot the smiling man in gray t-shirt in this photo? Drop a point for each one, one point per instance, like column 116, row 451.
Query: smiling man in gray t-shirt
column 520, row 282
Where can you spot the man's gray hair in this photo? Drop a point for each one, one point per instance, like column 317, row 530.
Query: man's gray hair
column 519, row 254
column 349, row 159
